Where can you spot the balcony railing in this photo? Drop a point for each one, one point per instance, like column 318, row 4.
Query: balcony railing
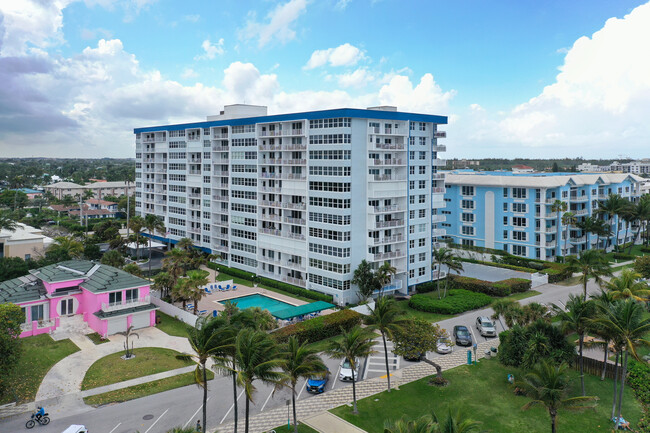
column 438, row 190
column 394, row 161
column 391, row 223
column 270, row 189
column 222, row 148
column 390, row 208
column 294, row 146
column 295, row 281
column 389, row 146
column 438, row 219
column 127, row 303
column 440, row 134
column 220, row 136
column 385, row 178
column 297, row 236
column 273, row 147
column 297, row 221
column 439, row 148
column 273, row 232
column 270, row 217
column 388, row 240
column 579, row 197
column 299, row 206
column 438, row 176
column 270, row 203
column 388, row 255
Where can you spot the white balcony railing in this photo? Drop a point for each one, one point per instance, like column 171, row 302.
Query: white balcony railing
column 127, row 303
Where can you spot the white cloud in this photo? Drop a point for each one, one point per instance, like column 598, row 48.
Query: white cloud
column 357, row 78
column 425, row 97
column 189, row 73
column 278, row 25
column 342, row 4
column 210, row 50
column 599, row 103
column 343, row 55
column 192, row 18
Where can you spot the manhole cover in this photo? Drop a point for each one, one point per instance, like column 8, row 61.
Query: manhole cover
column 147, row 417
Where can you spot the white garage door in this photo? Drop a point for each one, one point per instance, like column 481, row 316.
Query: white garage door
column 116, row 325
column 141, row 320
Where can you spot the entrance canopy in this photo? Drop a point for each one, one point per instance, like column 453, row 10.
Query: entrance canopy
column 288, row 313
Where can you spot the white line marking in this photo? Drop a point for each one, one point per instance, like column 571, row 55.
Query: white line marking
column 336, row 378
column 231, row 407
column 114, row 428
column 197, row 411
column 267, row 400
column 154, row 423
column 473, row 337
column 304, row 384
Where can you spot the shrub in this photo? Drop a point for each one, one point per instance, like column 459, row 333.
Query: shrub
column 623, row 256
column 639, row 380
column 557, row 272
column 644, row 249
column 514, row 348
column 642, row 266
column 289, row 288
column 457, row 301
column 427, row 287
column 319, row 328
column 479, row 286
column 517, row 285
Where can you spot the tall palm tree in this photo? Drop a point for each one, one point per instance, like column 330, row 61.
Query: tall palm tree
column 299, row 361
column 7, row 223
column 548, row 386
column 640, row 211
column 193, row 285
column 385, row 317
column 576, row 319
column 625, row 321
column 175, row 262
column 136, row 224
column 629, row 285
column 588, row 227
column 501, row 307
column 602, row 230
column 385, row 275
column 256, row 358
column 604, row 298
column 185, row 244
column 446, row 257
column 568, row 219
column 611, row 207
column 355, row 343
column 439, row 255
column 592, row 264
column 208, row 338
column 153, row 223
column 558, row 207
column 67, row 245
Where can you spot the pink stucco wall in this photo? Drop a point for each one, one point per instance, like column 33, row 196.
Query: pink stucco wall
column 50, row 287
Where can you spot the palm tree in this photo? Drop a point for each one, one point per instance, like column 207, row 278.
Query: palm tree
column 7, row 223
column 385, row 275
column 531, row 313
column 501, row 307
column 136, row 224
column 446, row 257
column 193, row 286
column 576, row 319
column 355, row 343
column 212, row 257
column 185, row 244
column 612, row 207
column 558, row 207
column 256, row 358
column 592, row 264
column 588, row 226
column 602, row 230
column 626, row 323
column 258, row 318
column 455, row 422
column 68, row 245
column 640, row 212
column 128, row 352
column 208, row 338
column 175, row 262
column 385, row 317
column 604, row 298
column 299, row 361
column 366, row 280
column 629, row 285
column 548, row 385
column 568, row 220
column 133, row 269
column 153, row 223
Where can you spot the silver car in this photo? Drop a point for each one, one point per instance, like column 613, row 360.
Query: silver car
column 443, row 345
column 485, row 327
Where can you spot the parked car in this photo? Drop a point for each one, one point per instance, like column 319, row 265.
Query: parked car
column 443, row 345
column 76, row 429
column 485, row 327
column 316, row 383
column 346, row 370
column 462, row 335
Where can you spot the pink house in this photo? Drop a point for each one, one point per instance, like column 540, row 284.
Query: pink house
column 110, row 300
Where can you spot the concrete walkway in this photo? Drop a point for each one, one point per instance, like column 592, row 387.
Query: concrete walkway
column 317, row 405
column 327, row 422
column 137, row 381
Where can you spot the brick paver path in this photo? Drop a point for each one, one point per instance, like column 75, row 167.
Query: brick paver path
column 331, row 399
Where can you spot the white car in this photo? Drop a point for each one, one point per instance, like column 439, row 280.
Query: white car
column 346, row 370
column 485, row 327
column 443, row 346
column 76, row 429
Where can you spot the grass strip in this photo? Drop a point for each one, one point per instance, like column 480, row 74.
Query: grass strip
column 171, row 325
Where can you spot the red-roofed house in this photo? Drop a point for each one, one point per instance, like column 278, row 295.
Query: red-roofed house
column 522, row 169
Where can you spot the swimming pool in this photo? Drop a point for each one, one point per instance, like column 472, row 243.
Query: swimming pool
column 257, row 300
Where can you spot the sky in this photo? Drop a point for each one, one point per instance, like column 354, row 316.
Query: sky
column 541, row 79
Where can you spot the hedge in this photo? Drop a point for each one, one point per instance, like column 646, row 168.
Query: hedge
column 457, row 301
column 623, row 256
column 557, row 272
column 477, row 249
column 319, row 328
column 645, row 249
column 289, row 288
column 497, row 288
column 501, row 265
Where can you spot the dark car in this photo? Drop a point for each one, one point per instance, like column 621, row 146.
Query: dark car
column 462, row 335
column 316, row 383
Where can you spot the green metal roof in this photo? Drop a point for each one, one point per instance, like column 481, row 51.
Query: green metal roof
column 116, row 313
column 107, row 279
column 64, row 271
column 290, row 312
column 22, row 289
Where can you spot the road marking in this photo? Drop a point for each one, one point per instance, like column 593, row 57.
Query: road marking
column 231, row 407
column 473, row 337
column 336, row 379
column 114, row 428
column 304, row 384
column 197, row 411
column 154, row 423
column 562, row 305
column 267, row 400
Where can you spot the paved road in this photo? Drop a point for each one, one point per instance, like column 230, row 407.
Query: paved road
column 490, row 273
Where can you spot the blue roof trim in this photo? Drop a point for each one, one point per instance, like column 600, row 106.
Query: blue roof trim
column 309, row 115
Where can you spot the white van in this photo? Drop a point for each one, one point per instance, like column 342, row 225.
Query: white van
column 76, row 429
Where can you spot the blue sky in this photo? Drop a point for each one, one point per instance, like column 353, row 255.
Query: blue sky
column 102, row 67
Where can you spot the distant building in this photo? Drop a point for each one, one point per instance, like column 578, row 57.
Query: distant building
column 24, row 242
column 464, row 163
column 100, row 189
column 522, row 169
column 31, row 193
column 513, row 212
column 92, row 208
column 589, row 167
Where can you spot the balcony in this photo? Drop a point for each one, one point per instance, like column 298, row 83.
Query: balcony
column 581, row 212
column 438, row 233
column 391, row 223
column 220, row 136
column 386, row 178
column 221, row 148
column 294, row 146
column 271, row 217
column 296, row 221
column 266, row 175
column 194, row 195
column 545, row 229
column 391, row 146
column 438, row 190
column 391, row 162
column 269, row 203
column 437, row 162
column 221, row 173
column 438, row 176
column 273, row 232
column 220, row 223
column 439, row 148
column 220, row 235
column 388, row 240
column 387, row 209
column 195, row 206
column 551, row 215
column 298, row 206
column 295, row 281
column 388, row 255
column 551, row 200
column 194, row 230
column 219, row 247
column 127, row 303
column 296, row 236
column 292, row 176
column 270, row 189
column 274, row 133
column 221, row 197
column 272, row 147
column 294, row 161
column 438, row 219
column 437, row 275
column 578, row 240
column 193, row 171
column 440, row 134
column 579, row 198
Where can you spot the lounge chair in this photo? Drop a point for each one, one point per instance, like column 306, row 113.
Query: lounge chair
column 221, row 289
column 202, row 312
column 227, row 287
column 207, row 291
column 214, row 313
column 189, row 307
column 234, row 287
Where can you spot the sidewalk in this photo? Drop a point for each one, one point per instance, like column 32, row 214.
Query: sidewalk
column 320, row 404
column 327, row 422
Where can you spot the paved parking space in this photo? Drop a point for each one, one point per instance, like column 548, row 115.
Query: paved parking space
column 490, row 273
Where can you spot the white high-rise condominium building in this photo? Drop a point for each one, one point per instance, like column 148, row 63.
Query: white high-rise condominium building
column 302, row 197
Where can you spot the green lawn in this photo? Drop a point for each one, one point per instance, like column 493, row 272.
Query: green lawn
column 40, row 353
column 483, row 394
column 302, row 428
column 148, row 360
column 522, row 295
column 573, row 281
column 144, row 389
column 97, row 339
column 171, row 325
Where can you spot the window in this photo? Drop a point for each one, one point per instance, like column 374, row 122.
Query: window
column 421, row 271
column 131, row 295
column 519, row 250
column 519, row 207
column 422, row 198
column 422, row 213
column 519, row 236
column 467, row 217
column 38, row 312
column 467, row 242
column 505, row 221
column 422, row 242
column 467, row 230
column 505, row 192
column 340, row 122
column 115, row 298
column 467, row 204
column 519, row 222
column 467, row 190
column 330, row 139
column 422, row 257
column 422, row 184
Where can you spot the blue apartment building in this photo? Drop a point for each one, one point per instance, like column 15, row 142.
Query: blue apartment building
column 513, row 212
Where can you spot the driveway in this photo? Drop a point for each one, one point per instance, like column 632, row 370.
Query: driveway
column 490, row 273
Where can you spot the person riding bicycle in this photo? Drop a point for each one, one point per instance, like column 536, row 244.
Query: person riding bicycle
column 40, row 412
